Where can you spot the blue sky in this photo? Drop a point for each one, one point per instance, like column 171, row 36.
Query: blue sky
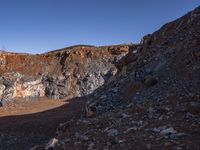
column 37, row 26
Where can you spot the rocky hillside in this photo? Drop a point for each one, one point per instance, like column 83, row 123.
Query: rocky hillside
column 66, row 73
column 151, row 102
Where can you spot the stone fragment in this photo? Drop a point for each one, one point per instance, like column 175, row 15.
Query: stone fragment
column 89, row 113
column 51, row 144
column 168, row 131
column 112, row 132
column 91, row 146
column 150, row 80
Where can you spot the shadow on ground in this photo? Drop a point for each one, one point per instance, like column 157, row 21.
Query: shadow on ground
column 24, row 131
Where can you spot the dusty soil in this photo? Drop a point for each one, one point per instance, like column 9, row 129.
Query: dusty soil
column 25, row 124
column 29, row 107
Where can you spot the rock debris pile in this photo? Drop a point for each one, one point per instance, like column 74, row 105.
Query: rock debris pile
column 152, row 102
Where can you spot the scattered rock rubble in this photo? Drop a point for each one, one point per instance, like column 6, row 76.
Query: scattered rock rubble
column 152, row 102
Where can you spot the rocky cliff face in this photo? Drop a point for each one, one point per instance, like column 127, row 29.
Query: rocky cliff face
column 66, row 73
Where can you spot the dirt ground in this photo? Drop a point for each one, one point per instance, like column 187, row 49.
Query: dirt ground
column 25, row 124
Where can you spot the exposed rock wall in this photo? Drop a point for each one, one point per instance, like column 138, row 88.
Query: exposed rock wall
column 28, row 89
column 65, row 73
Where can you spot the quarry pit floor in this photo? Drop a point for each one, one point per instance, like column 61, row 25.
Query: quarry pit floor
column 24, row 124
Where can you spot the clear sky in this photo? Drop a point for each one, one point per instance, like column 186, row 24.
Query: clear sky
column 37, row 26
